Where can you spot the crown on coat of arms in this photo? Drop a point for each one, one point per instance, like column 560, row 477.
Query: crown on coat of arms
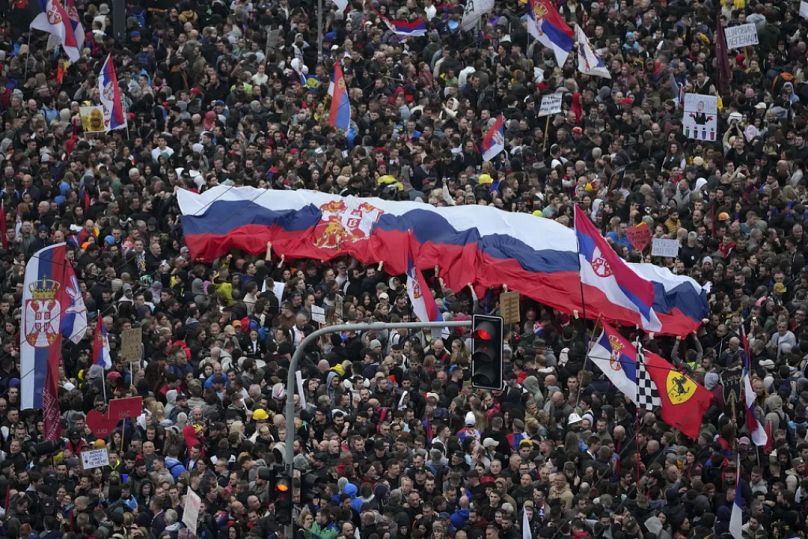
column 44, row 289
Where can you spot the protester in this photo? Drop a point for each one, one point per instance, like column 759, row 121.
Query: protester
column 391, row 440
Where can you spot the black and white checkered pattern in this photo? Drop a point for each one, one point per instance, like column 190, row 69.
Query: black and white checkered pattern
column 647, row 392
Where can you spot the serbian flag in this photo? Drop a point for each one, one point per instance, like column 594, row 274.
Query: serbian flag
column 110, row 95
column 416, row 28
column 589, row 62
column 545, row 24
column 3, row 226
column 52, row 17
column 75, row 22
column 47, row 301
column 101, row 355
column 756, row 430
column 683, row 402
column 340, row 116
column 736, row 517
column 494, row 139
column 605, row 273
column 481, row 245
column 423, row 304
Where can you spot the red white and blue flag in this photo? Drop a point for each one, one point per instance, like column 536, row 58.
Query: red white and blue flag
column 110, row 94
column 603, row 270
column 494, row 139
column 75, row 22
column 51, row 308
column 480, row 245
column 682, row 402
column 423, row 303
column 52, row 17
column 736, row 517
column 340, row 114
column 547, row 26
column 416, row 28
column 101, row 355
column 756, row 429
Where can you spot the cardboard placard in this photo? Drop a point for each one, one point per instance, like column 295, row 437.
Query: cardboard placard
column 639, row 236
column 665, row 247
column 741, row 36
column 318, row 314
column 190, row 512
column 509, row 307
column 700, row 117
column 94, row 458
column 131, row 344
column 128, row 407
column 92, row 119
column 550, row 104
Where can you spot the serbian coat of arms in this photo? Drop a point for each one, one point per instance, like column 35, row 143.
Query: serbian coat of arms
column 42, row 314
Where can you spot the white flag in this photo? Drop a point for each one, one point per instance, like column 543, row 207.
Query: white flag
column 589, row 63
column 474, row 10
column 526, row 531
column 804, row 9
column 341, row 4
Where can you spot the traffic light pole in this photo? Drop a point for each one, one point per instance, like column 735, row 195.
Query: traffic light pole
column 291, row 380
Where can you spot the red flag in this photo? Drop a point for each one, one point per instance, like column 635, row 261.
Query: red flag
column 723, row 72
column 3, row 227
column 684, row 402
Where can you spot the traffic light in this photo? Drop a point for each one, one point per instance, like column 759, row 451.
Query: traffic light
column 486, row 351
column 282, row 494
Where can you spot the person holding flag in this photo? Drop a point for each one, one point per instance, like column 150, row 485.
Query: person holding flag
column 340, row 114
column 110, row 94
column 494, row 139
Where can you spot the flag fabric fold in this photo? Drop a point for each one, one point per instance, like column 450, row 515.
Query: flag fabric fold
column 110, row 95
column 681, row 402
column 756, row 429
column 101, row 355
column 480, row 245
column 600, row 267
column 416, row 28
column 3, row 225
column 589, row 62
column 736, row 517
column 53, row 18
column 723, row 71
column 474, row 10
column 340, row 113
column 423, row 303
column 47, row 304
column 547, row 26
column 494, row 139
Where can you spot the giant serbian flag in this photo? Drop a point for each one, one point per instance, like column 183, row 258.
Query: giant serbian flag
column 481, row 245
column 52, row 306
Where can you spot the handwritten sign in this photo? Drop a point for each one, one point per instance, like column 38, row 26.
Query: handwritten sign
column 639, row 236
column 741, row 36
column 509, row 307
column 94, row 458
column 665, row 247
column 318, row 314
column 131, row 341
column 550, row 104
column 190, row 513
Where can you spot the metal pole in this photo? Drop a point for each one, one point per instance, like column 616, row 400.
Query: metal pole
column 291, row 381
column 319, row 31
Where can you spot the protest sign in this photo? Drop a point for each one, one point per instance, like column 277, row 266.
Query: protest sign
column 190, row 513
column 92, row 119
column 741, row 36
column 509, row 307
column 639, row 236
column 318, row 314
column 131, row 341
column 700, row 120
column 94, row 458
column 665, row 247
column 550, row 104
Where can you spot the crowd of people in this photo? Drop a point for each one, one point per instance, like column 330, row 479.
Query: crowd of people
column 396, row 440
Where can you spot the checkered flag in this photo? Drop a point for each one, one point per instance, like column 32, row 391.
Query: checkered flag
column 647, row 392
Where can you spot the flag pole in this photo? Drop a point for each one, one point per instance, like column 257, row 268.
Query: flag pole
column 27, row 57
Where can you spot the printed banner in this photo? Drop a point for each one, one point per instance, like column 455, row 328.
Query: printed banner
column 700, row 120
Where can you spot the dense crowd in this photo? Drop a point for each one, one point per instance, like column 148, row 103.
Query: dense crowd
column 393, row 441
